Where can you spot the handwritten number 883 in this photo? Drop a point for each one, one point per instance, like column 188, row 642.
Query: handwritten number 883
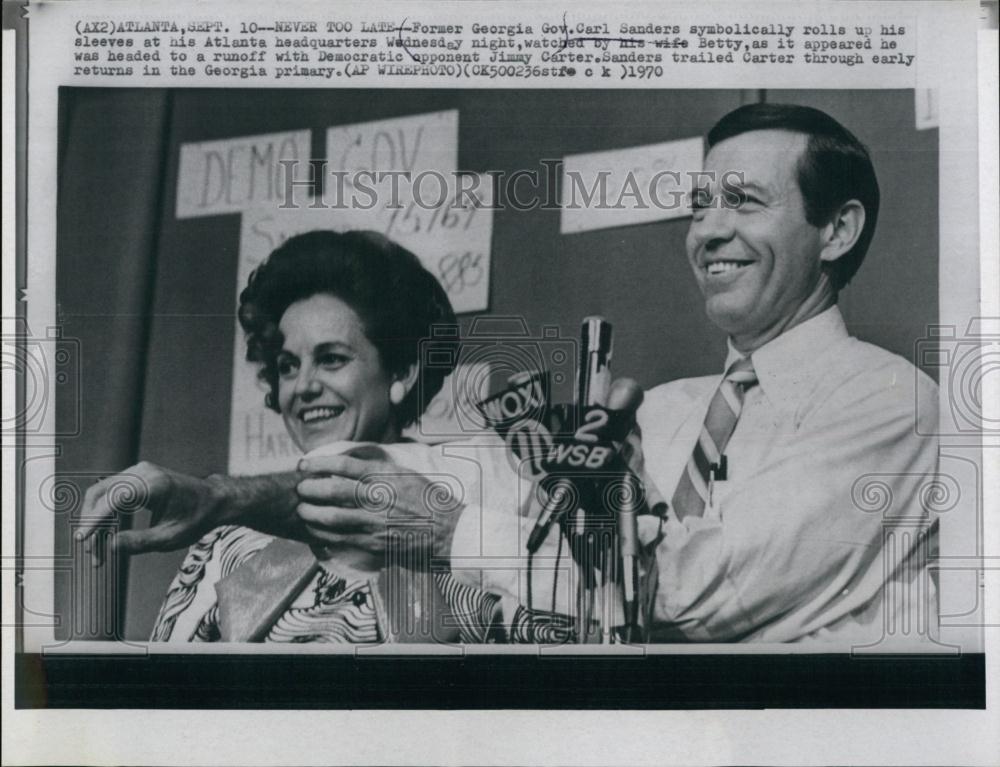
column 458, row 271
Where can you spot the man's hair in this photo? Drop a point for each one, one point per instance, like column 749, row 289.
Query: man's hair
column 398, row 301
column 834, row 168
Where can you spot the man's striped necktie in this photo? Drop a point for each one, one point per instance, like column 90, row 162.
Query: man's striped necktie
column 692, row 494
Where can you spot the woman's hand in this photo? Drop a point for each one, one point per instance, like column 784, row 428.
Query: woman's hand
column 183, row 509
column 359, row 503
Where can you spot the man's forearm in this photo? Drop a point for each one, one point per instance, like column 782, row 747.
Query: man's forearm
column 265, row 503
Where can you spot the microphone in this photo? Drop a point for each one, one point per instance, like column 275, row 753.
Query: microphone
column 593, row 378
column 627, row 395
column 563, row 498
column 589, row 541
column 593, row 381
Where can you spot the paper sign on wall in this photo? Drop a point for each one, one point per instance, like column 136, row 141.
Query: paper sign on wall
column 412, row 144
column 637, row 185
column 926, row 103
column 233, row 174
column 450, row 233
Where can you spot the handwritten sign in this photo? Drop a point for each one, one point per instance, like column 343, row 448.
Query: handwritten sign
column 411, row 144
column 636, row 185
column 258, row 440
column 451, row 234
column 233, row 174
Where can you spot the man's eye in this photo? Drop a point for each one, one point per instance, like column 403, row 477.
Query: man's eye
column 742, row 199
column 700, row 199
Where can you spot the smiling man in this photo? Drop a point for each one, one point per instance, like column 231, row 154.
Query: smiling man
column 795, row 479
column 768, row 535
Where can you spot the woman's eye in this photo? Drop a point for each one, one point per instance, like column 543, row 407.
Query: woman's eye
column 331, row 360
column 286, row 367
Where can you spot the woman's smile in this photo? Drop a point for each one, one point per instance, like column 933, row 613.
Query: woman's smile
column 319, row 414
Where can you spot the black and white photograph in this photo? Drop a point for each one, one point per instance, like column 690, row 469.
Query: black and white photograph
column 812, row 524
column 642, row 395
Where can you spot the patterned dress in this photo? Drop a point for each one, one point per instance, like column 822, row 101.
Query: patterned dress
column 329, row 609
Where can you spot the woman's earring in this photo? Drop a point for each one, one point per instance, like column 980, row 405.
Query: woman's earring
column 397, row 392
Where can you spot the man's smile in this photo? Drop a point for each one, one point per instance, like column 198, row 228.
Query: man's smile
column 725, row 267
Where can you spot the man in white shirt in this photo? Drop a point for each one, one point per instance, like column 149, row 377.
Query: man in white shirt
column 796, row 493
column 788, row 546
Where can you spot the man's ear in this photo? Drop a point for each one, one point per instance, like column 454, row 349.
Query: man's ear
column 403, row 384
column 843, row 231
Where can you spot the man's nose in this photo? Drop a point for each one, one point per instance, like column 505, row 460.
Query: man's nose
column 714, row 226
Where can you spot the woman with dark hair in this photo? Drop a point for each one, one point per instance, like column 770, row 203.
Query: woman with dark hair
column 335, row 321
column 382, row 286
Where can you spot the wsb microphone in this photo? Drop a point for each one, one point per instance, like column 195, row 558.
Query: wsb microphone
column 593, row 382
column 599, row 509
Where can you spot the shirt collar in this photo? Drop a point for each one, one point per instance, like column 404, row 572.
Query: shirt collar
column 786, row 365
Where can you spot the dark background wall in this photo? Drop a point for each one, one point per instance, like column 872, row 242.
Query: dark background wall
column 151, row 297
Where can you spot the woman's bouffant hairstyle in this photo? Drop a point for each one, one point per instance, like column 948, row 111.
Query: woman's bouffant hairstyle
column 398, row 301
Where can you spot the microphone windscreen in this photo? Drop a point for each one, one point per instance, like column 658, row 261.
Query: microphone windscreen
column 625, row 394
